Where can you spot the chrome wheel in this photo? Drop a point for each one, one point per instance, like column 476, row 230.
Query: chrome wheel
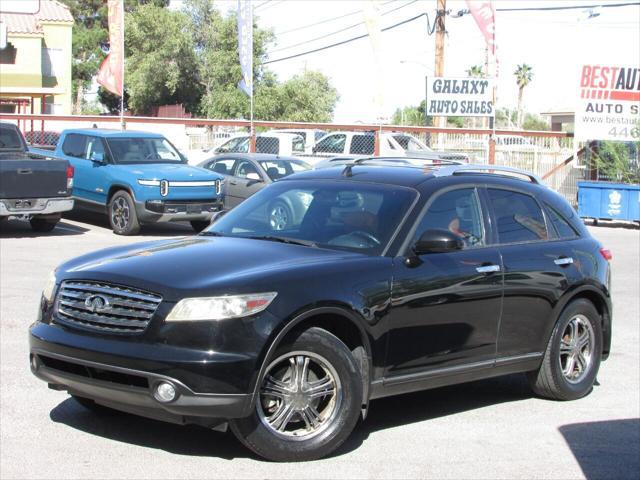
column 279, row 217
column 120, row 213
column 576, row 349
column 300, row 395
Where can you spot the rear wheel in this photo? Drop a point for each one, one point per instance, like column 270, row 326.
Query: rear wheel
column 122, row 214
column 199, row 225
column 44, row 224
column 309, row 400
column 573, row 354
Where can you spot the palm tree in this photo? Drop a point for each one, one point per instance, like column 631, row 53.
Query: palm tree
column 476, row 71
column 524, row 74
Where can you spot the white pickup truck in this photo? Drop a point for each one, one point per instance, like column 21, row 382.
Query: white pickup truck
column 354, row 144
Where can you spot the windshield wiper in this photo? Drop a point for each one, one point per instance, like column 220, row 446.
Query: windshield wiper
column 292, row 241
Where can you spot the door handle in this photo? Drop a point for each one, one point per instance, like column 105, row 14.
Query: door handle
column 24, row 171
column 563, row 261
column 488, row 269
column 233, row 183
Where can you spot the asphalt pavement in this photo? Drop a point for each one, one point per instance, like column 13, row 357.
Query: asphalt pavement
column 488, row 429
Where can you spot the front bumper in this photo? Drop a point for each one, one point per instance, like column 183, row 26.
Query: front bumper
column 177, row 210
column 34, row 206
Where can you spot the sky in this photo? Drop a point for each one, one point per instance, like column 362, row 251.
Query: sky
column 553, row 43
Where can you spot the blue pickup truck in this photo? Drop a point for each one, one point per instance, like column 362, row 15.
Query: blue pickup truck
column 138, row 178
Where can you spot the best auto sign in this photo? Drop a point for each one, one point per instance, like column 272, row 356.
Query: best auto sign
column 609, row 103
column 460, row 97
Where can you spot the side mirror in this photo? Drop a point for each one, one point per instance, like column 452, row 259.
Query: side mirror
column 438, row 241
column 97, row 157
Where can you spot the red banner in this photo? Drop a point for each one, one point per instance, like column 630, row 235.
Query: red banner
column 484, row 14
column 111, row 74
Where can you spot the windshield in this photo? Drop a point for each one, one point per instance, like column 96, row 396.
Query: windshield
column 277, row 169
column 235, row 145
column 143, row 150
column 335, row 215
column 410, row 143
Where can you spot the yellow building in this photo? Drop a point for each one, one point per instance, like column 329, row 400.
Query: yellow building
column 35, row 63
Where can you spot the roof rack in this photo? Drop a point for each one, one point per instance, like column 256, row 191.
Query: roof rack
column 465, row 169
column 406, row 160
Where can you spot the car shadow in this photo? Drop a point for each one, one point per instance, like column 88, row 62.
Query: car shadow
column 383, row 414
column 166, row 229
column 607, row 449
column 22, row 229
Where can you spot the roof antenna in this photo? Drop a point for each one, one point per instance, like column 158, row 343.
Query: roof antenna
column 347, row 171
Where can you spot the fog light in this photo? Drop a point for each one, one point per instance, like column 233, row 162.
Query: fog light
column 165, row 392
column 34, row 362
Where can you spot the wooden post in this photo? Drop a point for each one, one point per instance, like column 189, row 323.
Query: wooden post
column 376, row 143
column 252, row 139
column 440, row 34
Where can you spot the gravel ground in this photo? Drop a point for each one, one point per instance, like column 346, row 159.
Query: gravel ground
column 488, row 429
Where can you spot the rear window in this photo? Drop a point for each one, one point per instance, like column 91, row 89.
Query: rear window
column 10, row 139
column 75, row 145
column 519, row 218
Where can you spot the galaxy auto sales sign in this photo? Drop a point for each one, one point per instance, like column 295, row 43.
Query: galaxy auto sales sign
column 608, row 106
column 460, row 97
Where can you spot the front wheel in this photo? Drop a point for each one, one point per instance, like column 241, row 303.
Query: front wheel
column 122, row 214
column 572, row 358
column 309, row 400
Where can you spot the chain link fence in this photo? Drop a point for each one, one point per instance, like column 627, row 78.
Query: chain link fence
column 542, row 153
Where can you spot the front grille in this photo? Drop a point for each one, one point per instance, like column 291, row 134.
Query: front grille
column 104, row 307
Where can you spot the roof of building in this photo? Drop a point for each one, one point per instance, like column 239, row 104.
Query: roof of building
column 51, row 11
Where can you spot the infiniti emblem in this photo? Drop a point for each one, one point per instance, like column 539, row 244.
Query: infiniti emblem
column 97, row 303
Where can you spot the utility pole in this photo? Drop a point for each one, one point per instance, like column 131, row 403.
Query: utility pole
column 440, row 31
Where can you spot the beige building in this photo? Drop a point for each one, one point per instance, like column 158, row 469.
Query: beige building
column 35, row 63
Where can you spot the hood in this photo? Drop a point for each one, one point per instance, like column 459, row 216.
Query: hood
column 172, row 172
column 198, row 265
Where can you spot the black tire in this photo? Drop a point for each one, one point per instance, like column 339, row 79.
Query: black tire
column 320, row 345
column 43, row 224
column 123, row 218
column 549, row 380
column 94, row 407
column 280, row 216
column 199, row 225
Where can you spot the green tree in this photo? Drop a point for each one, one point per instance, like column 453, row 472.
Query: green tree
column 476, row 71
column 524, row 75
column 412, row 116
column 308, row 97
column 534, row 122
column 506, row 118
column 616, row 161
column 161, row 66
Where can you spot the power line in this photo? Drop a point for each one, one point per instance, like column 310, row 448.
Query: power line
column 339, row 17
column 288, row 47
column 571, row 7
column 343, row 42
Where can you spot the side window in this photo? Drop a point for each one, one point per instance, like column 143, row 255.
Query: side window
column 457, row 211
column 95, row 148
column 268, row 145
column 223, row 166
column 75, row 145
column 244, row 169
column 560, row 224
column 332, row 144
column 362, row 145
column 518, row 217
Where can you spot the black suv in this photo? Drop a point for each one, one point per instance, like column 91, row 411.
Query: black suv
column 388, row 279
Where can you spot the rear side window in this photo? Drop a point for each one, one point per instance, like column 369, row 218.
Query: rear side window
column 519, row 218
column 561, row 224
column 75, row 145
column 362, row 145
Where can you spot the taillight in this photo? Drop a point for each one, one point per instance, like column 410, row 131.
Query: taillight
column 606, row 254
column 69, row 177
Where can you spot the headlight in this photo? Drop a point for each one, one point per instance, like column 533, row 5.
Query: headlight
column 220, row 308
column 49, row 287
column 149, row 183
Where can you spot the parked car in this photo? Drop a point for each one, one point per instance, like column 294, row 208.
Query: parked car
column 391, row 280
column 247, row 173
column 137, row 178
column 310, row 136
column 273, row 143
column 32, row 187
column 391, row 145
